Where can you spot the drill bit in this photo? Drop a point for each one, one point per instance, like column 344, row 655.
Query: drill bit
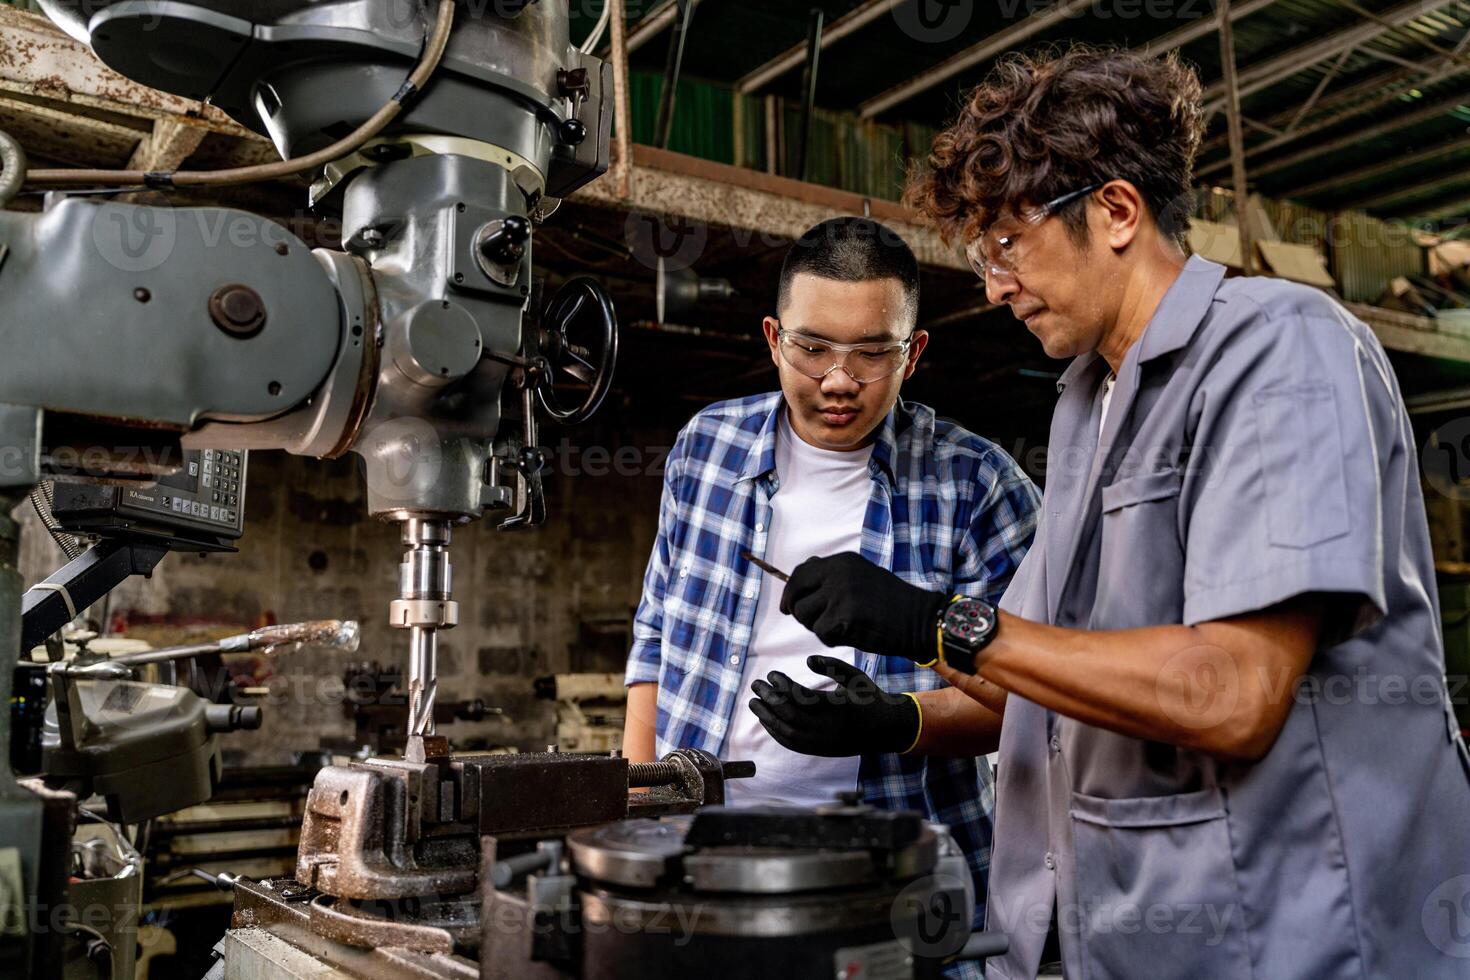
column 423, row 607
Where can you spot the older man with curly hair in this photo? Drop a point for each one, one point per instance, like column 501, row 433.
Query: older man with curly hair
column 1227, row 748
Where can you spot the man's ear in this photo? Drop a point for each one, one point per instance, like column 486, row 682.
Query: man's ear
column 920, row 340
column 770, row 325
column 1122, row 213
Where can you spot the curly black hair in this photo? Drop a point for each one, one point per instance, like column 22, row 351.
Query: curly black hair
column 1041, row 126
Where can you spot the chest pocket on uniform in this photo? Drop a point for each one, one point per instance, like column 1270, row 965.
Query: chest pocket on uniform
column 1140, row 535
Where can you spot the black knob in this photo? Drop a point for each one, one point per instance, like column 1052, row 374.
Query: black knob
column 573, row 132
column 504, row 245
column 231, row 717
column 471, row 711
column 737, row 770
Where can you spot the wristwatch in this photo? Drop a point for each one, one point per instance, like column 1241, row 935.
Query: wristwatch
column 966, row 626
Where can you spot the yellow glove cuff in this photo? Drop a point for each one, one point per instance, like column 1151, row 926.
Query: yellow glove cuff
column 920, row 709
column 939, row 636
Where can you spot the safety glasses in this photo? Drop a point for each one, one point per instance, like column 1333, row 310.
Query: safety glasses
column 1000, row 251
column 864, row 363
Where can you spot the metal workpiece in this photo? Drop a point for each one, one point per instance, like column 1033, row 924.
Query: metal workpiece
column 339, row 634
column 423, row 607
column 141, row 286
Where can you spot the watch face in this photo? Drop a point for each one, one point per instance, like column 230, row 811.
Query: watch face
column 968, row 622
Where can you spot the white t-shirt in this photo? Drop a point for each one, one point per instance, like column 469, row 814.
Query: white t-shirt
column 1107, row 404
column 818, row 509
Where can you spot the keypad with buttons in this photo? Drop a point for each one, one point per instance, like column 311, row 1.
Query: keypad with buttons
column 219, row 473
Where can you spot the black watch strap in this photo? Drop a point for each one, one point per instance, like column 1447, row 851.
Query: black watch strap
column 966, row 626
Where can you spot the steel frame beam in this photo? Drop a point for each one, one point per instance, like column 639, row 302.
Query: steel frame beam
column 1383, row 168
column 1273, row 70
column 849, row 23
column 1204, row 25
column 1385, row 201
column 651, row 25
column 1424, row 113
column 1237, row 136
column 1311, row 101
column 1445, row 210
column 1389, row 87
column 997, row 43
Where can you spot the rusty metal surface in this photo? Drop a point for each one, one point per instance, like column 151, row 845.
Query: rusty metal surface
column 426, row 925
column 281, row 909
column 390, row 848
column 36, row 56
column 364, row 836
column 393, row 829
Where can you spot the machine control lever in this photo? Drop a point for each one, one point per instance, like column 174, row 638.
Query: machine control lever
column 503, row 242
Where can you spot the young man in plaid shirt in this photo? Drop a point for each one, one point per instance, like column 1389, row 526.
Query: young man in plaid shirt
column 833, row 462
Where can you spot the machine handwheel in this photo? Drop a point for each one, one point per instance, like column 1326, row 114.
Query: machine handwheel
column 579, row 340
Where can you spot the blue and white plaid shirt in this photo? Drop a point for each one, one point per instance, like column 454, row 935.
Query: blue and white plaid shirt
column 948, row 511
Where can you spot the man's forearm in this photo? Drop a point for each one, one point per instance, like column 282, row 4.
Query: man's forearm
column 1223, row 687
column 955, row 724
column 638, row 736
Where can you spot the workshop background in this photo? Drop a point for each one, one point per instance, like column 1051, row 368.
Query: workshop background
column 1351, row 154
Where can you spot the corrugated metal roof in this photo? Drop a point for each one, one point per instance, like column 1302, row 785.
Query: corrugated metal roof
column 1359, row 90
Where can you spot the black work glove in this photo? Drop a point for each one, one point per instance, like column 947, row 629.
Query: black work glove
column 858, row 718
column 848, row 601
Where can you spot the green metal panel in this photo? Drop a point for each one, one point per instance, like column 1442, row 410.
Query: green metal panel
column 750, row 128
column 704, row 117
column 714, row 122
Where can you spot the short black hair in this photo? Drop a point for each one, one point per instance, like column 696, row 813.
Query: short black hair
column 852, row 249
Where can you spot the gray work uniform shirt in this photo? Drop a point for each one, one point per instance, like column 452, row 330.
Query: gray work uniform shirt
column 1256, row 449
